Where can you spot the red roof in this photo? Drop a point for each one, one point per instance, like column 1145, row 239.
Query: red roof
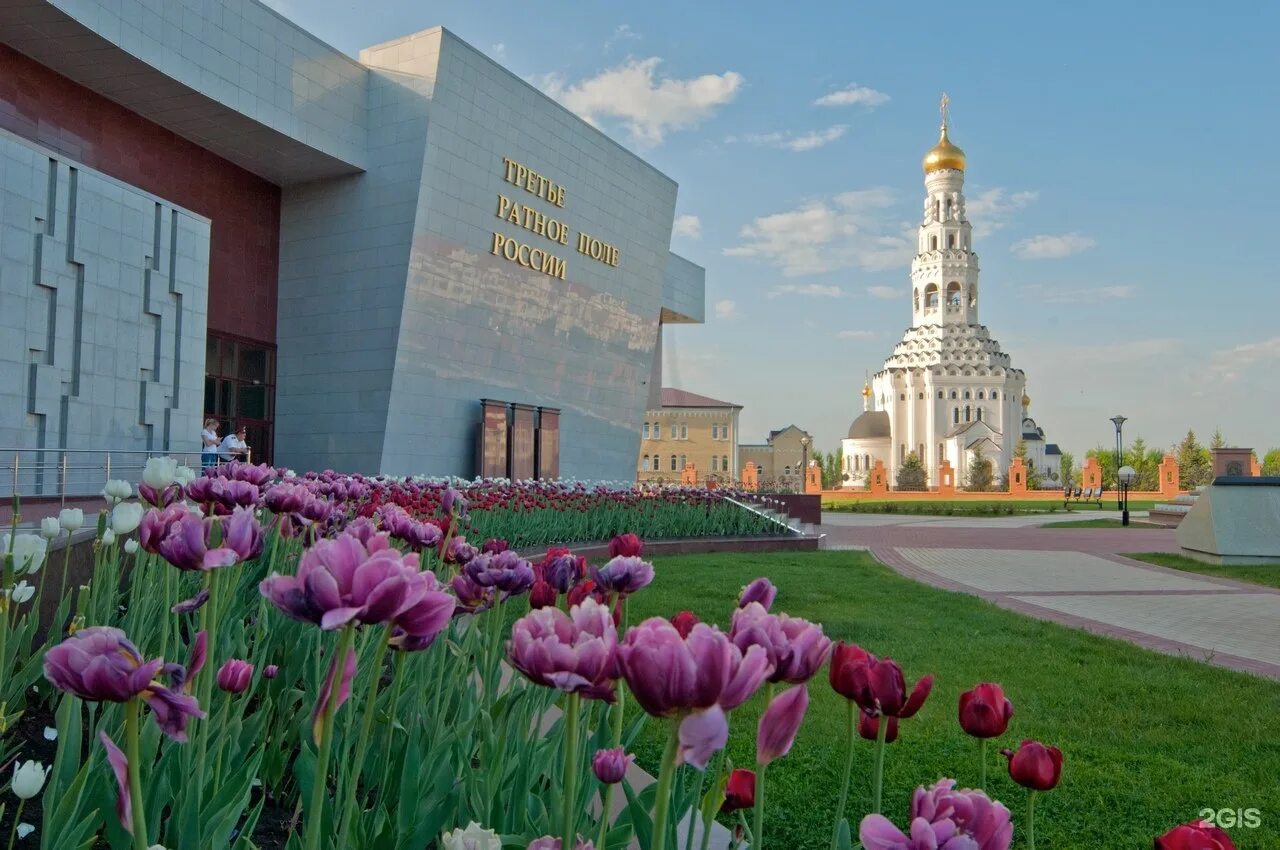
column 683, row 398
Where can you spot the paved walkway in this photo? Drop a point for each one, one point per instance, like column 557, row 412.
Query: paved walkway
column 1079, row 577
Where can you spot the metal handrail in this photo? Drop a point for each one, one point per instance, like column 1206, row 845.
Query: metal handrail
column 58, row 473
column 775, row 518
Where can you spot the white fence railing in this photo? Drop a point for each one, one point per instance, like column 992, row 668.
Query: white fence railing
column 74, row 473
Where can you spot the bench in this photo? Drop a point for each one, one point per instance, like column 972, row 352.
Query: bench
column 1078, row 496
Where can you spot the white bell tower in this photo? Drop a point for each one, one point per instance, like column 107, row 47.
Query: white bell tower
column 944, row 273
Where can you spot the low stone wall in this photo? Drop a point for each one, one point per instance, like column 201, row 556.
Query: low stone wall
column 932, row 495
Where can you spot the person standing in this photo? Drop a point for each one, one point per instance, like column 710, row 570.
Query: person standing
column 233, row 446
column 209, row 443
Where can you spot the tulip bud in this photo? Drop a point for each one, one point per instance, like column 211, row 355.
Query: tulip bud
column 626, row 546
column 270, row 671
column 684, row 622
column 160, row 472
column 985, row 711
column 117, row 490
column 126, row 517
column 71, row 519
column 1035, row 766
column 50, row 528
column 780, row 723
column 234, row 676
column 131, row 546
column 108, row 538
column 28, row 779
column 610, row 766
column 740, row 791
column 761, row 590
column 542, row 595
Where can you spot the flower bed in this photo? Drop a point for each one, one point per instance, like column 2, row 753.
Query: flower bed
column 318, row 662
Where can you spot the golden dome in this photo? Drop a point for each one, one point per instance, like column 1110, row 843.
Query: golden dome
column 866, row 390
column 1026, row 400
column 943, row 155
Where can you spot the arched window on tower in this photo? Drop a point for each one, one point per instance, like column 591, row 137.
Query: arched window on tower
column 953, row 395
column 948, row 209
column 939, row 393
column 968, row 414
column 857, row 463
column 955, row 416
column 646, row 463
column 866, row 462
column 979, row 395
column 966, row 395
column 931, row 297
column 979, row 414
column 951, row 240
column 933, row 243
column 953, row 294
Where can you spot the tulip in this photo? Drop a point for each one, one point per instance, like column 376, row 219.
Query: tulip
column 548, row 842
column 761, row 590
column 71, row 519
column 235, row 675
column 739, row 791
column 626, row 546
column 28, row 779
column 506, row 571
column 869, row 728
column 185, row 545
column 796, row 647
column 184, row 475
column 100, row 664
column 623, row 575
column 780, row 723
column 340, row 581
column 333, row 679
column 270, row 671
column 472, row 598
column 20, row 593
column 108, row 538
column 562, row 570
column 572, row 652
column 542, row 595
column 451, row 499
column 116, row 491
column 1036, row 768
column 942, row 817
column 242, row 533
column 494, row 546
column 159, row 487
column 984, row 713
column 474, row 837
column 156, row 524
column 610, row 766
column 120, row 767
column 50, row 528
column 126, row 517
column 1197, row 835
column 416, row 627
column 583, row 590
column 28, row 551
column 190, row 606
column 131, row 546
column 701, row 735
column 684, row 622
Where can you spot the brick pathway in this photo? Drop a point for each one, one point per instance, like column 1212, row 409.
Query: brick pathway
column 1078, row 577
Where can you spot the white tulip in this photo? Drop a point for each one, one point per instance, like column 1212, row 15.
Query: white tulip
column 131, row 546
column 71, row 519
column 184, row 475
column 21, row 592
column 49, row 528
column 126, row 517
column 28, row 779
column 160, row 472
column 108, row 538
column 25, row 829
column 117, row 490
column 50, row 734
column 28, row 552
column 474, row 837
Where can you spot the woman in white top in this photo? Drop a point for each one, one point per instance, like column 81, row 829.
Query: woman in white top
column 209, row 443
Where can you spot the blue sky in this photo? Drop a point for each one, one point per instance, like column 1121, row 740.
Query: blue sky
column 1121, row 181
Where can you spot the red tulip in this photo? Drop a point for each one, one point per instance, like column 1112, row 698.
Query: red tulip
column 876, row 685
column 869, row 728
column 626, row 545
column 1197, row 835
column 542, row 595
column 740, row 792
column 985, row 711
column 1035, row 766
column 684, row 622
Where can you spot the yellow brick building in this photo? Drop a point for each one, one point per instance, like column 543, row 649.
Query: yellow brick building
column 780, row 459
column 689, row 428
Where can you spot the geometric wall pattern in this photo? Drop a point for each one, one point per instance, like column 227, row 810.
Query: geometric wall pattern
column 103, row 309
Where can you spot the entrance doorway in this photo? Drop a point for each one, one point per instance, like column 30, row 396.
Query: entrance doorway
column 240, row 391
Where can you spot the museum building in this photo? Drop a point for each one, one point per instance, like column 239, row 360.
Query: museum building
column 207, row 211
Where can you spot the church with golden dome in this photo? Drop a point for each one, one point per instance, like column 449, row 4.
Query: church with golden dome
column 947, row 391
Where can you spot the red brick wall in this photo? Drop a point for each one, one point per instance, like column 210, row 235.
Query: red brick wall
column 244, row 256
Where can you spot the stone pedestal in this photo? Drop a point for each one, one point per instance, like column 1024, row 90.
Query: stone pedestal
column 1017, row 477
column 750, row 477
column 1232, row 461
column 1169, row 477
column 813, row 478
column 946, row 479
column 878, row 479
column 689, row 475
column 1091, row 474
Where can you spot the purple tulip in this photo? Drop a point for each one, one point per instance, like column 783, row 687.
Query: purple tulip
column 235, row 675
column 453, row 499
column 340, row 581
column 761, row 590
column 255, row 474
column 195, row 663
column 243, row 533
column 460, row 551
column 270, row 671
column 610, row 766
column 120, row 767
column 417, row 626
column 494, row 546
column 943, row 818
column 702, row 734
column 286, row 498
column 780, row 723
column 195, row 603
column 572, row 652
column 233, row 494
column 506, row 571
column 472, row 598
column 669, row 674
column 623, row 574
column 344, row 691
column 100, row 664
column 186, row 545
column 562, row 571
column 797, row 647
column 550, row 842
column 155, row 526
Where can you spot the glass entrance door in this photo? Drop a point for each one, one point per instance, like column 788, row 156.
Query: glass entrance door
column 240, row 389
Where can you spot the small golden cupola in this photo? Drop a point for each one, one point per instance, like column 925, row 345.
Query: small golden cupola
column 944, row 154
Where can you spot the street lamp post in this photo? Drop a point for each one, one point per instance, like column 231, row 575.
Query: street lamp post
column 804, row 462
column 1124, row 477
column 1118, row 421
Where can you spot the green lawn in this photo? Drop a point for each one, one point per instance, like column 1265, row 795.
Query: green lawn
column 969, row 507
column 1149, row 740
column 1260, row 574
column 1104, row 522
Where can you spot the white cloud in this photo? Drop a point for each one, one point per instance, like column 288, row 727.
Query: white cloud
column 991, row 210
column 1077, row 294
column 853, row 95
column 622, row 32
column 885, row 292
column 815, row 290
column 498, row 52
column 726, row 309
column 828, row 234
column 812, row 140
column 856, row 334
column 1051, row 247
column 1227, row 364
column 649, row 105
column 688, row 226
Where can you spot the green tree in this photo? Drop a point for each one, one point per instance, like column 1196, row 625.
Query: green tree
column 1033, row 474
column 1067, row 471
column 833, row 469
column 1271, row 462
column 980, row 477
column 1146, row 463
column 1218, row 441
column 1195, row 464
column 912, row 474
